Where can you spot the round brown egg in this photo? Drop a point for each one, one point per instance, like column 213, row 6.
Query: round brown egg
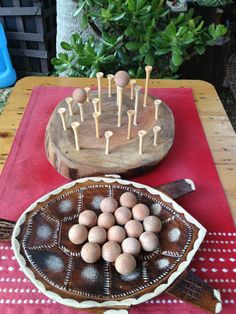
column 88, row 218
column 78, row 234
column 106, row 220
column 116, row 234
column 131, row 246
column 108, row 204
column 121, row 78
column 90, row 252
column 152, row 223
column 122, row 215
column 140, row 211
column 97, row 234
column 79, row 95
column 128, row 199
column 149, row 241
column 125, row 264
column 133, row 228
column 110, row 251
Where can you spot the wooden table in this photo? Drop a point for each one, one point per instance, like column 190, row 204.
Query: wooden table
column 219, row 131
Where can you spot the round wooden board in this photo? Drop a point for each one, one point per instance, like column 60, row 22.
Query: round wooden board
column 124, row 157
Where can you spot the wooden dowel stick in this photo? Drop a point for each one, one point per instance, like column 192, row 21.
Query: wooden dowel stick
column 157, row 103
column 69, row 101
column 141, row 135
column 75, row 127
column 99, row 78
column 120, row 99
column 132, row 85
column 108, row 134
column 148, row 70
column 130, row 114
column 87, row 90
column 137, row 89
column 62, row 113
column 156, row 130
column 81, row 110
column 96, row 116
column 110, row 78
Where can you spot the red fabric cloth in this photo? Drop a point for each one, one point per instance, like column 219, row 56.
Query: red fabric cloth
column 28, row 175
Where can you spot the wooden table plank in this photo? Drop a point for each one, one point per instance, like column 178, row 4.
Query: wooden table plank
column 219, row 132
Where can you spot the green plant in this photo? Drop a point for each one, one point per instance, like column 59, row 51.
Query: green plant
column 212, row 3
column 131, row 34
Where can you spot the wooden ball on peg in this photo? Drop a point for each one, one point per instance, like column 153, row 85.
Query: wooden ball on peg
column 137, row 89
column 157, row 103
column 95, row 102
column 110, row 78
column 141, row 135
column 75, row 127
column 108, row 135
column 156, row 129
column 130, row 114
column 148, row 70
column 87, row 91
column 121, row 78
column 96, row 116
column 62, row 113
column 132, row 85
column 79, row 95
column 69, row 101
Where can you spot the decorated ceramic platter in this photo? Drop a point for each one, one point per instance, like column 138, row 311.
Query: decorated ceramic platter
column 54, row 264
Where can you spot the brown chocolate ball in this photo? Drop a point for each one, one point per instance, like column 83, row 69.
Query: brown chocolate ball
column 121, row 78
column 79, row 95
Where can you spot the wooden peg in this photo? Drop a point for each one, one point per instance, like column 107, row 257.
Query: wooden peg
column 137, row 89
column 95, row 102
column 75, row 127
column 130, row 114
column 81, row 110
column 132, row 85
column 148, row 70
column 108, row 134
column 87, row 90
column 156, row 130
column 141, row 135
column 120, row 101
column 157, row 103
column 110, row 78
column 96, row 116
column 69, row 101
column 99, row 76
column 62, row 113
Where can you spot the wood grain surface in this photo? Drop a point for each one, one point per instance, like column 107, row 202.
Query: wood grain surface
column 124, row 158
column 218, row 129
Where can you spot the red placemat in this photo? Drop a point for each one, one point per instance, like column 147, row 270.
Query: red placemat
column 28, row 175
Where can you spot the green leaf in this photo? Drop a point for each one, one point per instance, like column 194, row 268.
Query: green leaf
column 118, row 17
column 86, row 61
column 149, row 59
column 170, row 30
column 140, row 71
column 84, row 22
column 144, row 49
column 80, row 8
column 180, row 18
column 131, row 5
column 66, row 46
column 140, row 4
column 123, row 57
column 200, row 50
column 133, row 45
column 101, row 49
column 109, row 59
column 173, row 67
column 176, row 59
column 56, row 61
column 63, row 56
column 108, row 40
column 162, row 51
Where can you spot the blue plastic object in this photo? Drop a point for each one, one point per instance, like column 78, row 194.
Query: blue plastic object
column 7, row 72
